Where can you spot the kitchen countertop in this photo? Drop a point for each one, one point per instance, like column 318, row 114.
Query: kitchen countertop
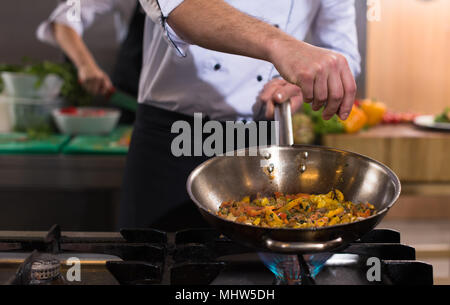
column 61, row 171
column 415, row 155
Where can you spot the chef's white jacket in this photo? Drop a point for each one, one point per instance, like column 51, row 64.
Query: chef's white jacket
column 187, row 78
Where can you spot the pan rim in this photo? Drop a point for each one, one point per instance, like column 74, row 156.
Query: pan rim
column 395, row 179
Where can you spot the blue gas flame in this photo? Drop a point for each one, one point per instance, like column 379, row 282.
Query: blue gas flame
column 286, row 267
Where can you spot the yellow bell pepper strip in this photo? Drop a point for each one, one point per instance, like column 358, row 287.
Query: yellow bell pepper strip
column 334, row 221
column 374, row 110
column 335, row 212
column 355, row 121
column 246, row 199
column 265, row 202
column 290, row 205
column 339, row 195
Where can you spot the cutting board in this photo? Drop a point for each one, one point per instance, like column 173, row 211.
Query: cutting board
column 115, row 143
column 21, row 143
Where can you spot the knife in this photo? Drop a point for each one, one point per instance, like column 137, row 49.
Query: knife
column 122, row 99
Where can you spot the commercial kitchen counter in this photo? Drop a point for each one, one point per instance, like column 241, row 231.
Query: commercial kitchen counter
column 80, row 192
column 415, row 155
column 61, row 171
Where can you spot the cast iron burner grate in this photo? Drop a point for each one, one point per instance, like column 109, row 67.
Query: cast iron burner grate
column 200, row 257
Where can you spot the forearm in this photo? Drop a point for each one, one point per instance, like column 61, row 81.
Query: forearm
column 73, row 45
column 214, row 24
column 93, row 79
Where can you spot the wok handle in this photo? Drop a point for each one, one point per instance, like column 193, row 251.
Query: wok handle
column 284, row 118
column 302, row 247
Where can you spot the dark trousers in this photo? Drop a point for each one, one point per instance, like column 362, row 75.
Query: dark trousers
column 154, row 188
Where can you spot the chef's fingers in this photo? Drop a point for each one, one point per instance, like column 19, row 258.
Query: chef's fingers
column 284, row 93
column 89, row 85
column 349, row 84
column 270, row 110
column 320, row 91
column 281, row 95
column 306, row 83
column 266, row 94
column 335, row 96
column 97, row 86
column 106, row 86
column 269, row 89
column 296, row 103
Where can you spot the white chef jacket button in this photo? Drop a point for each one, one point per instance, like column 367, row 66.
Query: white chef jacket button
column 259, row 78
column 217, row 67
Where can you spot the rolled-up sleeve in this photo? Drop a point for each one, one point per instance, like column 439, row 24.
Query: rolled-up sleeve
column 335, row 29
column 159, row 11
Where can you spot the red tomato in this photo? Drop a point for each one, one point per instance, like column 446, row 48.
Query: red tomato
column 69, row 110
column 391, row 118
column 397, row 118
column 93, row 112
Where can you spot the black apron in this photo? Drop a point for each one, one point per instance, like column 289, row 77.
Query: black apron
column 129, row 60
column 154, row 186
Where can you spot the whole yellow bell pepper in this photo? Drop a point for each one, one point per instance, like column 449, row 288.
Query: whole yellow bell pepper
column 374, row 111
column 355, row 121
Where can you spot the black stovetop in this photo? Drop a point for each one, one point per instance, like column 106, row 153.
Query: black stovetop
column 203, row 257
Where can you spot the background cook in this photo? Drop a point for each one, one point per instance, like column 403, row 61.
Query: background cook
column 67, row 33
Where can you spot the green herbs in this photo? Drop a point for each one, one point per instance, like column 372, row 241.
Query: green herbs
column 40, row 132
column 444, row 117
column 71, row 90
column 322, row 127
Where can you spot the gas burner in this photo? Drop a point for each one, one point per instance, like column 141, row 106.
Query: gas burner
column 204, row 256
column 45, row 268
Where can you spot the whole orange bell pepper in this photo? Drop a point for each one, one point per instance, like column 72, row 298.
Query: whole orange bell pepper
column 355, row 121
column 374, row 110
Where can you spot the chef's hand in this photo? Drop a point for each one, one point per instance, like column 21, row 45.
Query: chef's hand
column 324, row 76
column 278, row 91
column 94, row 80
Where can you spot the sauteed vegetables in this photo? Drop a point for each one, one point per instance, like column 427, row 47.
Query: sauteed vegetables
column 295, row 211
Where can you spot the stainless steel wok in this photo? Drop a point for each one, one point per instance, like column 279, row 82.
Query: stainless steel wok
column 296, row 168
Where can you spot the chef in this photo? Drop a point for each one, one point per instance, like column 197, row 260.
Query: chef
column 65, row 28
column 228, row 60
